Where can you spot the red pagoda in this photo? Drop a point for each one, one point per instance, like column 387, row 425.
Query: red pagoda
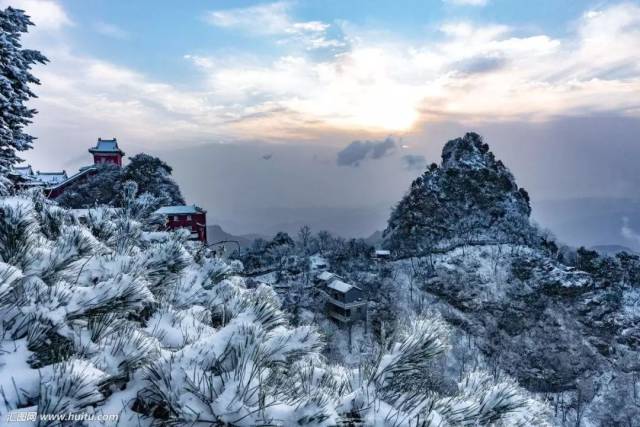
column 107, row 151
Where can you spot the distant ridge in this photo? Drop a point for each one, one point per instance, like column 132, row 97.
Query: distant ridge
column 375, row 239
column 611, row 249
column 215, row 234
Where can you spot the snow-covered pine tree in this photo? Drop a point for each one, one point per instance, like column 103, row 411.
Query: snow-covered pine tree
column 15, row 78
column 153, row 176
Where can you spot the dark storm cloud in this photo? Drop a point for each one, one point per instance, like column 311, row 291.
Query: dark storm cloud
column 414, row 162
column 358, row 151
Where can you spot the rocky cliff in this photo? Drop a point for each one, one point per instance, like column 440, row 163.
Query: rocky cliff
column 565, row 324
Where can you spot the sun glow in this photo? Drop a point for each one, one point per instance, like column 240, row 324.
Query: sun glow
column 359, row 90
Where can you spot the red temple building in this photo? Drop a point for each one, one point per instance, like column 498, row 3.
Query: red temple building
column 107, row 151
column 190, row 217
column 55, row 183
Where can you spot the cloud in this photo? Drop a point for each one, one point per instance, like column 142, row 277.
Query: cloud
column 414, row 162
column 480, row 64
column 273, row 19
column 354, row 153
column 106, row 97
column 467, row 2
column 629, row 233
column 267, row 156
column 376, row 86
column 270, row 18
column 487, row 72
column 45, row 14
column 111, row 30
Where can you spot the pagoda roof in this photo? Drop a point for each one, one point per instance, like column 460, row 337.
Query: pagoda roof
column 106, row 146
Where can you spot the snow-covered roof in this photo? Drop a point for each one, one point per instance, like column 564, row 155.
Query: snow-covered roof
column 26, row 175
column 24, row 171
column 51, row 178
column 179, row 209
column 106, row 146
column 340, row 286
column 325, row 275
column 73, row 177
column 39, row 178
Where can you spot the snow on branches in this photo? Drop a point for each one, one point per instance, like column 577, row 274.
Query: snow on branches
column 15, row 78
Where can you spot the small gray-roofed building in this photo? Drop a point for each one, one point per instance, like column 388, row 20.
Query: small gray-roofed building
column 24, row 177
column 24, row 171
column 326, row 276
column 340, row 286
column 344, row 302
column 382, row 254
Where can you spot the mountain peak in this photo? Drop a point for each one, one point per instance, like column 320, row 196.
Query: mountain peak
column 471, row 197
column 470, row 151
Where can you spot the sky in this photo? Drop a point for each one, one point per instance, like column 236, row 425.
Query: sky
column 278, row 113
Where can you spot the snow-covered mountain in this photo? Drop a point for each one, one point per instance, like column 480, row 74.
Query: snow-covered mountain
column 469, row 198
